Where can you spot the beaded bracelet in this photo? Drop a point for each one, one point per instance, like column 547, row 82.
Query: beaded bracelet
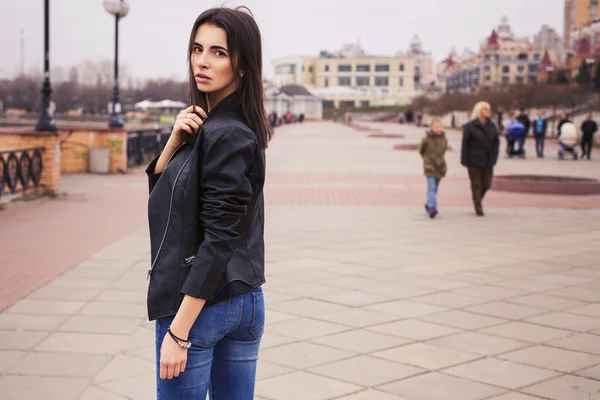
column 184, row 344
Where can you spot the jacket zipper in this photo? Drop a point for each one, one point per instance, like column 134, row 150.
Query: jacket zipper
column 170, row 208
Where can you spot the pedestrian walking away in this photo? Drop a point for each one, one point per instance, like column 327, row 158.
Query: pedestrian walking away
column 206, row 217
column 540, row 126
column 588, row 129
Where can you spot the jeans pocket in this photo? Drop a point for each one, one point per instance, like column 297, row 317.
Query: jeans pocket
column 211, row 324
column 257, row 327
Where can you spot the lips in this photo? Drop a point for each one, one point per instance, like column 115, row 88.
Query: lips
column 202, row 77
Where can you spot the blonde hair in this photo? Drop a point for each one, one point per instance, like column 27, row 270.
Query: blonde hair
column 477, row 109
column 436, row 120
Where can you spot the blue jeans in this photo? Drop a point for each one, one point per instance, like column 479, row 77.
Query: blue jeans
column 432, row 188
column 539, row 144
column 222, row 360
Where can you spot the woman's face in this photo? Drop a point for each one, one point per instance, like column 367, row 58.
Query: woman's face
column 211, row 62
column 486, row 111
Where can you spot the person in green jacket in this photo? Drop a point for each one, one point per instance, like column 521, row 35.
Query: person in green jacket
column 432, row 149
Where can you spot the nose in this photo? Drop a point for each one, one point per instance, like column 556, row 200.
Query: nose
column 202, row 60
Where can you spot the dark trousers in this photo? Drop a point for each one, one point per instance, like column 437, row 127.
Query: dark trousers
column 481, row 181
column 539, row 144
column 587, row 141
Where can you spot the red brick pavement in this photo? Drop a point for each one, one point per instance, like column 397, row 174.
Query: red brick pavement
column 43, row 239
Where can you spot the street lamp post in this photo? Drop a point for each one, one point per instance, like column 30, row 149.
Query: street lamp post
column 118, row 8
column 46, row 123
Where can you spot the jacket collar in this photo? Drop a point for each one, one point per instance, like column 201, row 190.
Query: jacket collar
column 229, row 105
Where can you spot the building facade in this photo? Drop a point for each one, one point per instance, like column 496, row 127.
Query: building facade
column 503, row 59
column 351, row 78
column 577, row 13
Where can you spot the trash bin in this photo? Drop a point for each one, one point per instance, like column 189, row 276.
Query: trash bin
column 99, row 160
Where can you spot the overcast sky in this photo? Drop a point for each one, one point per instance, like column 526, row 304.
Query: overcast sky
column 153, row 37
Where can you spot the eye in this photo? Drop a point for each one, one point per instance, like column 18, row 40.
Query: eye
column 196, row 49
column 219, row 53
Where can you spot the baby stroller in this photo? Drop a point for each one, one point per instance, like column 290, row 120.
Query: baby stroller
column 568, row 140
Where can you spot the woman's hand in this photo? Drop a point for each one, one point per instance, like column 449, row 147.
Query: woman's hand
column 189, row 121
column 172, row 358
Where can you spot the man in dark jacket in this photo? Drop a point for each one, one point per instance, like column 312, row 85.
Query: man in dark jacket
column 588, row 129
column 524, row 119
column 540, row 126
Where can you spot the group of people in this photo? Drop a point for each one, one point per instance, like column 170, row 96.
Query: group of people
column 518, row 127
column 479, row 154
column 286, row 118
column 481, row 146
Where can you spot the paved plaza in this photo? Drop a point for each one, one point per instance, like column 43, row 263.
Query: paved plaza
column 368, row 299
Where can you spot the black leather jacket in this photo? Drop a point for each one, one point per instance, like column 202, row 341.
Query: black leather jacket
column 206, row 215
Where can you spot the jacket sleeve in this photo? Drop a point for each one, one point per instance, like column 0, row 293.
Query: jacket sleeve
column 496, row 147
column 464, row 151
column 423, row 146
column 152, row 177
column 225, row 192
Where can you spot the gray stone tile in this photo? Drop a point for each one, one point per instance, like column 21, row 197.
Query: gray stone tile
column 436, row 386
column 579, row 323
column 399, row 290
column 561, row 279
column 307, row 307
column 426, row 356
column 577, row 293
column 303, row 386
column 479, row 343
column 566, row 387
column 501, row 373
column 30, row 322
column 502, row 309
column 358, row 317
column 266, row 370
column 371, row 394
column 84, row 343
column 271, row 339
column 514, row 396
column 108, row 309
column 591, row 372
column 552, row 358
column 354, row 298
column 122, row 366
column 80, row 283
column 122, row 296
column 463, row 320
column 449, row 300
column 15, row 387
column 590, row 310
column 51, row 307
column 582, row 342
column 60, row 364
column 361, row 341
column 304, row 355
column 306, row 289
column 95, row 324
column 414, row 329
column 547, row 302
column 61, row 293
column 95, row 393
column 489, row 292
column 20, row 340
column 405, row 308
column 8, row 358
column 527, row 332
column 366, row 371
column 306, row 328
column 141, row 387
column 350, row 282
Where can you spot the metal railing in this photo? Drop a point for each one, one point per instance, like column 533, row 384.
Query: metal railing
column 143, row 145
column 20, row 169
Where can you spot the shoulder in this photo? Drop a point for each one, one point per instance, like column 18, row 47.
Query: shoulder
column 228, row 130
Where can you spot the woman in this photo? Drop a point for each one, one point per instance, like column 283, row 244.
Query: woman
column 480, row 146
column 206, row 217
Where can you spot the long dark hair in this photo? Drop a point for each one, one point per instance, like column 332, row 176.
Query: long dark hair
column 245, row 47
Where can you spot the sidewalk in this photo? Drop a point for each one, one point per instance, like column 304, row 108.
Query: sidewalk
column 367, row 298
